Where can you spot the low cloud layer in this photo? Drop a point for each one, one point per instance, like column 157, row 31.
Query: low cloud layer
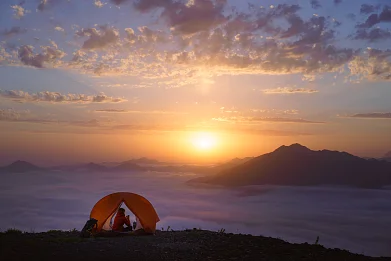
column 56, row 97
column 60, row 200
column 373, row 115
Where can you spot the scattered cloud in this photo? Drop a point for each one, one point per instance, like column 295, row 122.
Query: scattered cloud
column 137, row 112
column 113, row 111
column 15, row 30
column 55, row 97
column 288, row 90
column 99, row 38
column 315, row 4
column 373, row 19
column 59, row 28
column 375, row 64
column 281, row 133
column 99, row 3
column 12, row 114
column 46, row 4
column 373, row 115
column 372, row 35
column 19, row 11
column 206, row 38
column 368, row 9
column 242, row 119
column 275, row 111
column 284, row 120
column 119, row 2
column 50, row 55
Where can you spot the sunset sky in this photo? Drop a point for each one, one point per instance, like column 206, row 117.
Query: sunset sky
column 193, row 80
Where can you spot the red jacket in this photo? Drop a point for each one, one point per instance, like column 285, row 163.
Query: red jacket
column 119, row 222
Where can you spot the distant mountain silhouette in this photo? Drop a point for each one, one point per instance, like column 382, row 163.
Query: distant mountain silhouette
column 94, row 167
column 143, row 161
column 20, row 167
column 128, row 166
column 232, row 163
column 297, row 165
column 200, row 168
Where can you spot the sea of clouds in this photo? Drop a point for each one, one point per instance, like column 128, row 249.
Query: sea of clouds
column 354, row 219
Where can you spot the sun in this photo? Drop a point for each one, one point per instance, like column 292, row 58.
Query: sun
column 204, row 141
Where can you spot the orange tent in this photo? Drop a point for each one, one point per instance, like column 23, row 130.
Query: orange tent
column 106, row 208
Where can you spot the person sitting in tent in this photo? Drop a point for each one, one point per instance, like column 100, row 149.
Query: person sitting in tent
column 120, row 220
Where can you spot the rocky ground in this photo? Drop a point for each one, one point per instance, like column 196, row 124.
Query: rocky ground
column 173, row 245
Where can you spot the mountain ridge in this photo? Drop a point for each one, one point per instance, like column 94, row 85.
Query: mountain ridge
column 20, row 166
column 296, row 165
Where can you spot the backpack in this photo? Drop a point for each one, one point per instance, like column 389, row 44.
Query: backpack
column 89, row 228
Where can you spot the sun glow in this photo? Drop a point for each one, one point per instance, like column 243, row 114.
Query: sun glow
column 204, row 141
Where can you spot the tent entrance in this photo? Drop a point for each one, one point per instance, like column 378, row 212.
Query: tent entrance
column 108, row 225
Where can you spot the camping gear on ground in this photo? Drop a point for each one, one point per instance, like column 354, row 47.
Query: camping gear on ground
column 106, row 208
column 89, row 228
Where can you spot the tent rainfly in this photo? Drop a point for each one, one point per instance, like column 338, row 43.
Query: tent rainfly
column 107, row 207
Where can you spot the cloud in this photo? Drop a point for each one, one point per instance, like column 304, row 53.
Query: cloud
column 274, row 132
column 44, row 4
column 99, row 38
column 372, row 35
column 201, row 39
column 288, row 90
column 137, row 112
column 373, row 19
column 90, row 123
column 55, row 97
column 274, row 111
column 367, row 9
column 113, row 110
column 315, row 4
column 119, row 2
column 25, row 116
column 242, row 119
column 187, row 18
column 19, row 11
column 99, row 3
column 373, row 115
column 284, row 120
column 59, row 28
column 50, row 54
column 11, row 114
column 337, row 2
column 14, row 31
column 375, row 64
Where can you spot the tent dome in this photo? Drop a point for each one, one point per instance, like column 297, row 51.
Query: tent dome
column 106, row 207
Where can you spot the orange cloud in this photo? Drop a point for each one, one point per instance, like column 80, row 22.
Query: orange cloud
column 56, row 97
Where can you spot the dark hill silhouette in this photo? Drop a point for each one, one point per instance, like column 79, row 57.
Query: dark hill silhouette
column 20, row 167
column 297, row 165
